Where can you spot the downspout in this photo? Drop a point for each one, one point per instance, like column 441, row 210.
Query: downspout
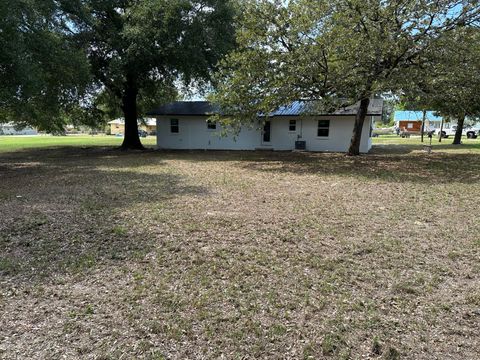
column 301, row 129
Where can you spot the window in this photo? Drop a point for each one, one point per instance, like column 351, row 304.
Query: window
column 410, row 126
column 267, row 131
column 323, row 128
column 211, row 125
column 174, row 126
column 293, row 125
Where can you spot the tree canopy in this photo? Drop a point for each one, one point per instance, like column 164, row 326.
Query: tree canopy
column 456, row 80
column 142, row 50
column 334, row 52
column 42, row 74
column 449, row 78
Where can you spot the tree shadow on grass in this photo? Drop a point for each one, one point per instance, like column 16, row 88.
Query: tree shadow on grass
column 399, row 148
column 65, row 212
column 391, row 164
column 425, row 169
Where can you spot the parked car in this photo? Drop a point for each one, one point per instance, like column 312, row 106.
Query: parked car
column 142, row 133
column 469, row 131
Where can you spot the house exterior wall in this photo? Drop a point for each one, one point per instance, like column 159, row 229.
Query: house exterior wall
column 116, row 129
column 417, row 125
column 411, row 126
column 194, row 135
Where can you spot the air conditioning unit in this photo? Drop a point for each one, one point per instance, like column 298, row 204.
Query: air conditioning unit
column 300, row 145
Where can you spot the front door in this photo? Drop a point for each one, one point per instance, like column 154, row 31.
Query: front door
column 266, row 134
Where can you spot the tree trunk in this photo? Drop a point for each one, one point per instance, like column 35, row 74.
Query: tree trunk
column 354, row 149
column 458, row 134
column 423, row 123
column 131, row 139
column 441, row 132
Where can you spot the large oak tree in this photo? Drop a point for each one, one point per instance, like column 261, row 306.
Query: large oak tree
column 139, row 49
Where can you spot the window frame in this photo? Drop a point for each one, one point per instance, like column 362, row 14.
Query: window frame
column 210, row 123
column 172, row 126
column 294, row 125
column 323, row 128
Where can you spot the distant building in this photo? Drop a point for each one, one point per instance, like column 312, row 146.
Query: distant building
column 117, row 126
column 411, row 121
column 12, row 129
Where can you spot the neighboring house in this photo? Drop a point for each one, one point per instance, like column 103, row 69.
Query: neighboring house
column 117, row 126
column 12, row 129
column 183, row 125
column 411, row 121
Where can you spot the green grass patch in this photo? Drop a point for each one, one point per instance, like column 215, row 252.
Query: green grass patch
column 414, row 143
column 19, row 143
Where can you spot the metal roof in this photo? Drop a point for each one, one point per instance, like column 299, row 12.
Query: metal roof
column 416, row 116
column 179, row 108
column 297, row 108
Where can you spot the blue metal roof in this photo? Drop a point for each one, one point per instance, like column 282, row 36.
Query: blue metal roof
column 416, row 116
column 297, row 108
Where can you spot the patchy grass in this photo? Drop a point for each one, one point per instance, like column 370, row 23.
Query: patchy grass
column 186, row 255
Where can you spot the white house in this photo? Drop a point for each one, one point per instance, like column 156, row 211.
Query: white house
column 185, row 125
column 12, row 129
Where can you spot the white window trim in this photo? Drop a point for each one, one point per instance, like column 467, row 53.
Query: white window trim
column 296, row 124
column 170, row 127
column 329, row 130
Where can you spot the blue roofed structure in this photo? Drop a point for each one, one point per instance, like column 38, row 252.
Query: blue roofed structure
column 416, row 116
column 412, row 120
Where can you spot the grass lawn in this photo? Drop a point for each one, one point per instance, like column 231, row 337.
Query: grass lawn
column 414, row 143
column 15, row 143
column 240, row 255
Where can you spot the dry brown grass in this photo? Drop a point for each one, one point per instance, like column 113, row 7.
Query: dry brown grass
column 178, row 255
